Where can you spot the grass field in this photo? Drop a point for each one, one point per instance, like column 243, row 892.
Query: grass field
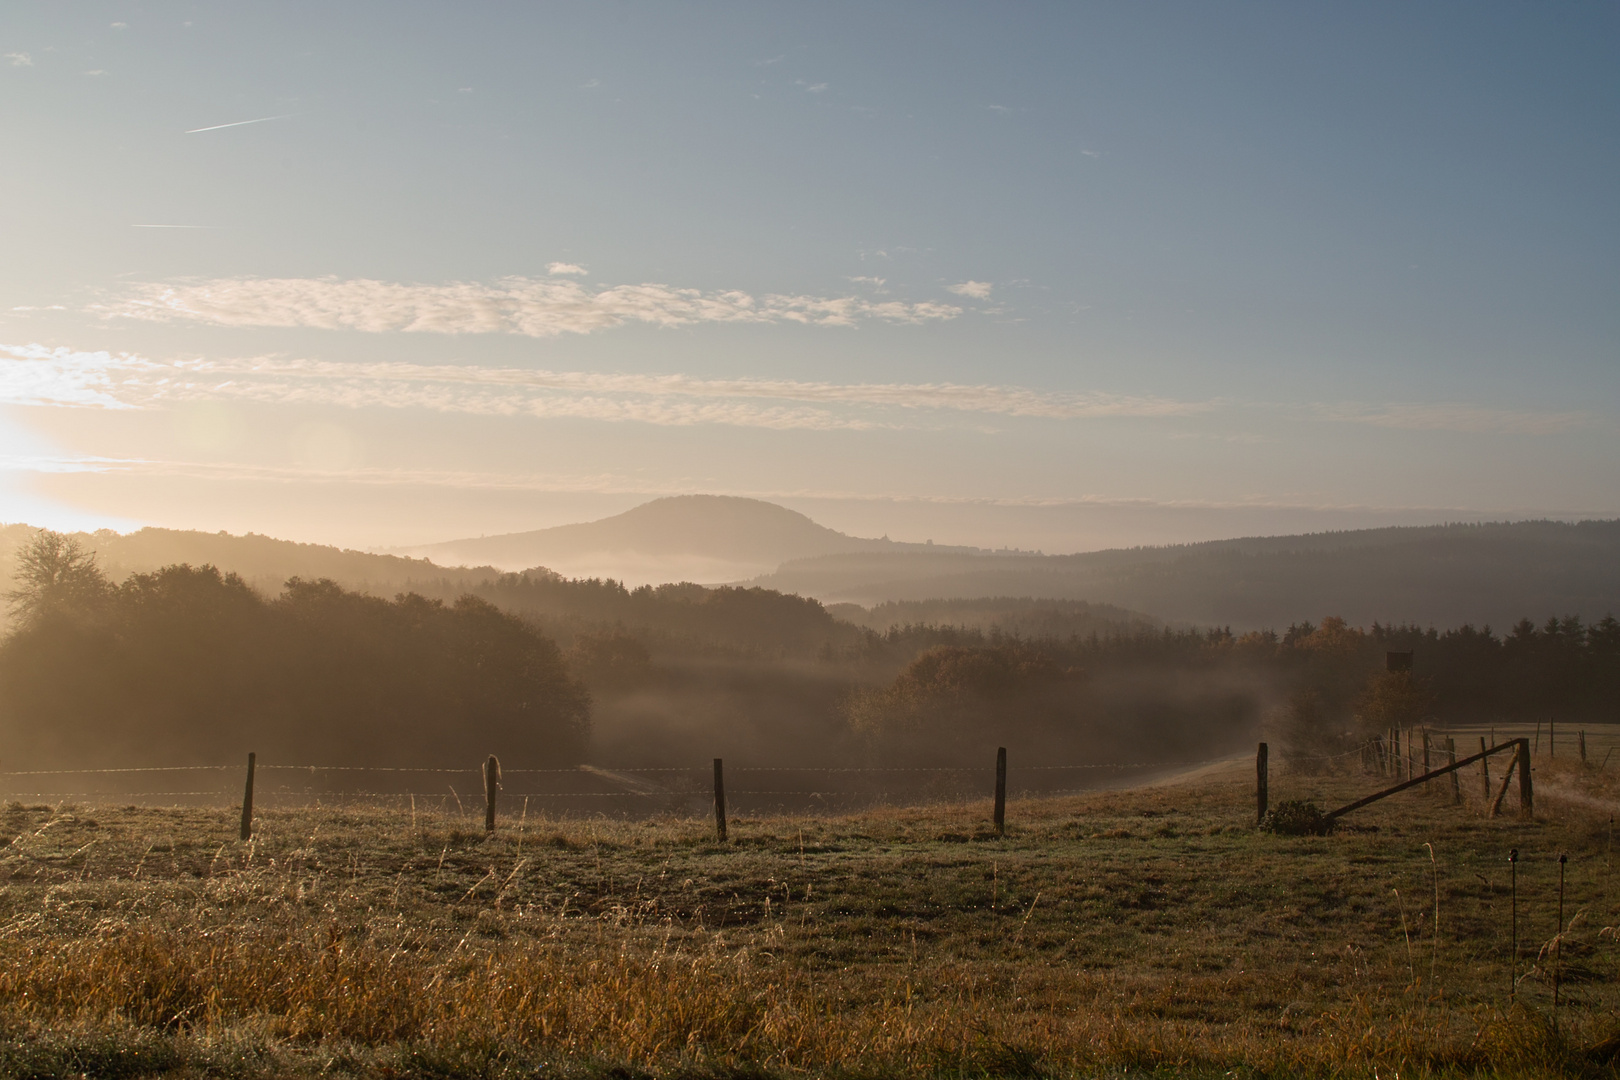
column 1152, row 929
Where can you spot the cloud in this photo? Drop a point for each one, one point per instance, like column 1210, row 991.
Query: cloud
column 1458, row 417
column 565, row 268
column 978, row 290
column 20, row 59
column 37, row 375
column 526, row 306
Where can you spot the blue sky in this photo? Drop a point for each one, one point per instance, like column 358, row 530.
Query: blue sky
column 1052, row 276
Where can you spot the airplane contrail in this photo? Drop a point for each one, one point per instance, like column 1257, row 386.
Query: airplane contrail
column 239, row 123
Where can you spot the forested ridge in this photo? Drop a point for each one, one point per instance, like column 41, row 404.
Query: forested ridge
column 1444, row 575
column 189, row 664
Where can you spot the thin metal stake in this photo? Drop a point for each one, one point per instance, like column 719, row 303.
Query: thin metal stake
column 1513, row 887
column 1558, row 941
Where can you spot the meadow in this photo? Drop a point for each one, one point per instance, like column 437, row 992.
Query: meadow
column 1153, row 929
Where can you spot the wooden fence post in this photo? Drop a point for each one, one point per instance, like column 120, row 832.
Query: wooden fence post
column 1451, row 759
column 719, row 801
column 1552, row 739
column 1527, row 794
column 1426, row 769
column 492, row 784
column 1580, row 739
column 247, row 800
column 1262, row 793
column 1395, row 751
column 1001, row 791
column 1485, row 768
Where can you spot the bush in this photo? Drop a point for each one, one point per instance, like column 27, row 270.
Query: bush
column 1295, row 818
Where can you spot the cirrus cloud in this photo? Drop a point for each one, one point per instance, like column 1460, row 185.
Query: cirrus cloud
column 525, row 306
column 38, row 375
column 41, row 375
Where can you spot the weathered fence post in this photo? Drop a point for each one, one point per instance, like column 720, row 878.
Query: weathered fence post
column 1527, row 794
column 1485, row 768
column 719, row 801
column 492, row 784
column 1451, row 759
column 1262, row 794
column 247, row 800
column 1580, row 740
column 1001, row 791
column 1552, row 739
column 1426, row 769
column 1395, row 751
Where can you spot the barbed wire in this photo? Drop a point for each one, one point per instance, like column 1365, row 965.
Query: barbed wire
column 1288, row 755
column 151, row 768
column 588, row 770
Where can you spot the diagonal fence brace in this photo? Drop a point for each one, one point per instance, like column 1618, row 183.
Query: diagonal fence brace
column 1511, row 744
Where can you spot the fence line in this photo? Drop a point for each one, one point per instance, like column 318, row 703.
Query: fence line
column 587, row 770
column 964, row 786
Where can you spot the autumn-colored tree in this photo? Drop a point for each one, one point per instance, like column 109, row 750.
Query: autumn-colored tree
column 1394, row 698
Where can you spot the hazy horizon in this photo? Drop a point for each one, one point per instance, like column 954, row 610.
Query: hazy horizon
column 1050, row 277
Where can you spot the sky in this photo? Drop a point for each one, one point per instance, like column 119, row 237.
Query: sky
column 1054, row 276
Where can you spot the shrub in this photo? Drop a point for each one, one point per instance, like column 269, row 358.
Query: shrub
column 1296, row 818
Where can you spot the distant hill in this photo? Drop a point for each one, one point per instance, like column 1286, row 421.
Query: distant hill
column 702, row 538
column 263, row 562
column 1434, row 575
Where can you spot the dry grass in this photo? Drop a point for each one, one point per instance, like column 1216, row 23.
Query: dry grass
column 1151, row 929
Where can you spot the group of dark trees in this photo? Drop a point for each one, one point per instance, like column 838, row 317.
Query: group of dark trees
column 188, row 665
column 1324, row 686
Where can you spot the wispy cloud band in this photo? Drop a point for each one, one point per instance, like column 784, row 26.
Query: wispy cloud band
column 1455, row 416
column 38, row 375
column 526, row 306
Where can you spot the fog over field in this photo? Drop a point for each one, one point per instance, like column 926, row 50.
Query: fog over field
column 756, row 541
column 165, row 648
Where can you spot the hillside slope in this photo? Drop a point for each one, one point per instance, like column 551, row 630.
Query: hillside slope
column 705, row 538
column 262, row 561
column 1442, row 575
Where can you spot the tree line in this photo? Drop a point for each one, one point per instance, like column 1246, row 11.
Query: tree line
column 189, row 665
column 1318, row 686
